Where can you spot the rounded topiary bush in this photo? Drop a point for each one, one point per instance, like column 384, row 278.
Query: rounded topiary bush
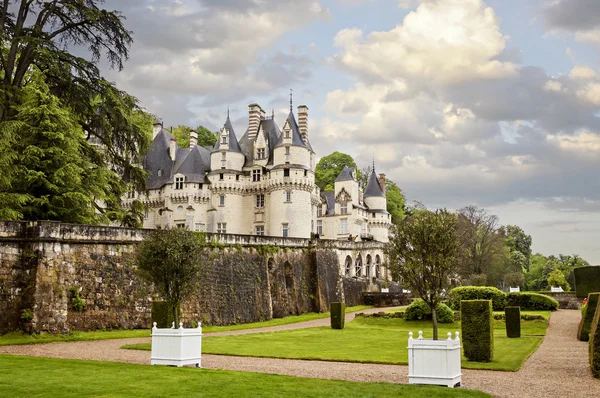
column 531, row 301
column 457, row 294
column 419, row 311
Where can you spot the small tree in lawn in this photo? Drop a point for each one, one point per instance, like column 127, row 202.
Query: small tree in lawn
column 172, row 260
column 424, row 250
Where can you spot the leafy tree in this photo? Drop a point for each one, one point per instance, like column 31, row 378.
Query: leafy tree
column 37, row 37
column 396, row 202
column 329, row 167
column 517, row 240
column 423, row 251
column 182, row 136
column 517, row 262
column 557, row 278
column 534, row 279
column 134, row 218
column 514, row 279
column 173, row 260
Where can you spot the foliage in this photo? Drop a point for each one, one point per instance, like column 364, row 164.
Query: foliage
column 477, row 325
column 585, row 326
column 134, row 217
column 531, row 301
column 534, row 279
column 418, row 310
column 423, row 251
column 161, row 314
column 338, row 316
column 456, row 295
column 587, row 280
column 513, row 321
column 99, row 131
column 172, row 259
column 478, row 280
column 514, row 279
column 594, row 345
column 329, row 167
column 38, row 377
column 517, row 240
column 557, row 278
column 26, row 314
column 205, row 136
column 518, row 262
column 77, row 302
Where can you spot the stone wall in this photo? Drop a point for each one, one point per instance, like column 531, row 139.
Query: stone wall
column 58, row 277
column 566, row 300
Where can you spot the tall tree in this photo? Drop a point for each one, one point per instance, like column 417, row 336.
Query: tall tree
column 517, row 240
column 38, row 37
column 396, row 202
column 329, row 167
column 205, row 136
column 424, row 250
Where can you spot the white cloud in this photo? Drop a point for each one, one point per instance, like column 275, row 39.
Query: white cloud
column 590, row 93
column 583, row 73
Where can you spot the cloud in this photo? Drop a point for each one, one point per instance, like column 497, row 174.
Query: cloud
column 580, row 17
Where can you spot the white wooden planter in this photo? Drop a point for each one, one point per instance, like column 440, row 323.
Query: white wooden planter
column 434, row 361
column 385, row 290
column 176, row 347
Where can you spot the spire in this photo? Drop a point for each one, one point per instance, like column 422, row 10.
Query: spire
column 373, row 163
column 291, row 102
column 273, row 113
column 227, row 111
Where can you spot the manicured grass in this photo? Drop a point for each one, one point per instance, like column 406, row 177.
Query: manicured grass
column 45, row 377
column 17, row 338
column 371, row 340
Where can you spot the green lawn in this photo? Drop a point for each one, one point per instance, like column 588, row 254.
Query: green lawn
column 373, row 340
column 45, row 377
column 16, row 338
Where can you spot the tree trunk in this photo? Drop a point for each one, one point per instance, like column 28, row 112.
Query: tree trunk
column 435, row 323
column 175, row 310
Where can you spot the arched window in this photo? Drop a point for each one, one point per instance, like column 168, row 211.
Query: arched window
column 358, row 266
column 348, row 266
column 377, row 267
column 368, row 267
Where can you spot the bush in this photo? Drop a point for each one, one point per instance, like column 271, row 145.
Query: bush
column 513, row 322
column 524, row 317
column 594, row 347
column 477, row 330
column 338, row 315
column 161, row 314
column 478, row 280
column 583, row 309
column 456, row 295
column 585, row 325
column 587, row 280
column 419, row 311
column 531, row 301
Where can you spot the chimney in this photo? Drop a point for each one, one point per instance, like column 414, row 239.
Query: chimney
column 382, row 182
column 172, row 149
column 156, row 127
column 303, row 122
column 254, row 115
column 193, row 139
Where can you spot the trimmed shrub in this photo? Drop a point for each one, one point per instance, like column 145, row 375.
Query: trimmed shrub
column 477, row 326
column 583, row 309
column 513, row 321
column 338, row 315
column 587, row 280
column 531, row 301
column 161, row 314
column 456, row 295
column 594, row 347
column 524, row 317
column 418, row 310
column 585, row 325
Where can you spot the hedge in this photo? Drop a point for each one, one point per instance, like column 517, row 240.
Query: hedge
column 477, row 324
column 594, row 347
column 531, row 301
column 585, row 325
column 513, row 322
column 338, row 315
column 418, row 310
column 456, row 295
column 161, row 314
column 587, row 280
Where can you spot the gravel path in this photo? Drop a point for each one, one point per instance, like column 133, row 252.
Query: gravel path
column 559, row 368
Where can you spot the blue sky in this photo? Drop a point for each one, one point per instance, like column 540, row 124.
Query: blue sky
column 492, row 103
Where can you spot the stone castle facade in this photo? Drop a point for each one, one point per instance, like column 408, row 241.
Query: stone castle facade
column 260, row 184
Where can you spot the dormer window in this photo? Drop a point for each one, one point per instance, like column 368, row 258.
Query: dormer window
column 344, row 208
column 260, row 153
column 287, row 134
column 287, row 150
column 160, row 172
column 224, row 140
column 179, row 182
column 255, row 175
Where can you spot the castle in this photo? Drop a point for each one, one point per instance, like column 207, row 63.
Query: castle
column 261, row 184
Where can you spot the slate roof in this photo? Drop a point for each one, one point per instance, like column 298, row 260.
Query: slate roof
column 373, row 187
column 234, row 145
column 195, row 165
column 345, row 174
column 329, row 197
column 296, row 134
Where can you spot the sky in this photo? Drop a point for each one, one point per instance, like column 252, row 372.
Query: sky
column 461, row 102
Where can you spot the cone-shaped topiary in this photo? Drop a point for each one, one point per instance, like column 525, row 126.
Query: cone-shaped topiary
column 338, row 315
column 513, row 321
column 594, row 347
column 585, row 325
column 477, row 323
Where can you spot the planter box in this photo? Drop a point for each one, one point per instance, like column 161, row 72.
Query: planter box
column 385, row 290
column 434, row 361
column 176, row 347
